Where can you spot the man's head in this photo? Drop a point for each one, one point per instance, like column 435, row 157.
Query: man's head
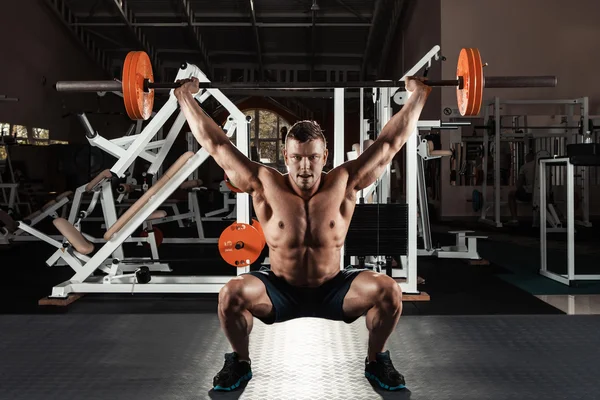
column 305, row 153
column 529, row 157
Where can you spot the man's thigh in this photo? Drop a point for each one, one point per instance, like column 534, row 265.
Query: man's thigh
column 255, row 293
column 338, row 293
column 363, row 293
column 282, row 298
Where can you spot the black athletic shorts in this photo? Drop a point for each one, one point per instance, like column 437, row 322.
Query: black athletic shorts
column 325, row 301
column 523, row 196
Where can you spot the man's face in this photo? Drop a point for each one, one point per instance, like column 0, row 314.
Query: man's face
column 305, row 161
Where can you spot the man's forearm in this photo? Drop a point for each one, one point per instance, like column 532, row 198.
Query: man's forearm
column 204, row 129
column 404, row 122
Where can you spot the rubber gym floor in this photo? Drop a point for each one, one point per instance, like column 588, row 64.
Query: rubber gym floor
column 483, row 335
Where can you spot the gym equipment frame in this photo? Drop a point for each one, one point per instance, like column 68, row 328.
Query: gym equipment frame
column 582, row 102
column 115, row 282
column 571, row 275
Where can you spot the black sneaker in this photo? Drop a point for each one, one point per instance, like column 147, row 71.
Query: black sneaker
column 383, row 372
column 232, row 375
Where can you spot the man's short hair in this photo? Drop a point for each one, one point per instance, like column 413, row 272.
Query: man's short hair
column 305, row 131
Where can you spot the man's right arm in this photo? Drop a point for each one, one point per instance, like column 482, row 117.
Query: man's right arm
column 242, row 171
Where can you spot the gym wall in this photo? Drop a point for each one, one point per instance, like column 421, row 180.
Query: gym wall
column 516, row 37
column 36, row 48
column 532, row 37
column 419, row 33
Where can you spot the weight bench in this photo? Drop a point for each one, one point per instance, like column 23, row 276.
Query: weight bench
column 228, row 200
column 114, row 280
column 49, row 209
column 101, row 189
column 193, row 216
column 465, row 247
column 427, row 152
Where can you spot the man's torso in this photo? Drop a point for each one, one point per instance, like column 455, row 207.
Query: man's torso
column 304, row 236
column 528, row 170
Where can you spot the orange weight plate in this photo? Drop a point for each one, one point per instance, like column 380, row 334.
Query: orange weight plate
column 240, row 245
column 137, row 68
column 470, row 68
column 256, row 225
column 230, row 185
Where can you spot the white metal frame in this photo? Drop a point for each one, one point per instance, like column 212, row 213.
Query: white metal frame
column 126, row 149
column 103, row 194
column 51, row 211
column 382, row 98
column 11, row 200
column 116, row 282
column 83, row 281
column 466, row 245
column 571, row 273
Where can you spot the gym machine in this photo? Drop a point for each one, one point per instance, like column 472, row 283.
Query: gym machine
column 126, row 149
column 138, row 97
column 584, row 154
column 573, row 131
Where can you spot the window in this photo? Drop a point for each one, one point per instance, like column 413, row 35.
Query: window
column 4, row 129
column 3, row 153
column 26, row 135
column 268, row 141
column 20, row 133
column 41, row 137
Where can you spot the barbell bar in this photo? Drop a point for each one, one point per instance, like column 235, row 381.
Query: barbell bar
column 138, row 87
column 490, row 82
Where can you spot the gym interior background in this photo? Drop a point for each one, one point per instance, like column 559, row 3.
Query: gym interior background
column 497, row 304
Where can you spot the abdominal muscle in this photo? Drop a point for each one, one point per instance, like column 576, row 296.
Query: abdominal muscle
column 308, row 267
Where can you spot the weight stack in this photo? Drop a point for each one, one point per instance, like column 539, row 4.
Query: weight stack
column 378, row 230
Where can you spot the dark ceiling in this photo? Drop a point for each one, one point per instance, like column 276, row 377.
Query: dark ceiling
column 240, row 40
column 311, row 34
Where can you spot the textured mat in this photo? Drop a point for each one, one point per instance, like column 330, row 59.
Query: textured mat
column 165, row 356
column 523, row 263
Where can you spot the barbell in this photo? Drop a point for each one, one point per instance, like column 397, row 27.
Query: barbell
column 137, row 84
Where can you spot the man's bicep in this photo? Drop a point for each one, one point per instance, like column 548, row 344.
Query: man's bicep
column 361, row 175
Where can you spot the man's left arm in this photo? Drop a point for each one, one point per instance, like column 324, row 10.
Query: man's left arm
column 369, row 166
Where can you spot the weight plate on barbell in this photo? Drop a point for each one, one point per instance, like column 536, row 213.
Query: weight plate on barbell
column 470, row 68
column 136, row 69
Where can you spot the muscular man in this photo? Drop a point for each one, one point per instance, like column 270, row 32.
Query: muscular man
column 524, row 190
column 305, row 216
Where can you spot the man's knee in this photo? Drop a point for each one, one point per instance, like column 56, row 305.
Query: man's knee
column 231, row 296
column 389, row 293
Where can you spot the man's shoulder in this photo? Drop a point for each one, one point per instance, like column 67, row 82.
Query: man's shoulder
column 530, row 165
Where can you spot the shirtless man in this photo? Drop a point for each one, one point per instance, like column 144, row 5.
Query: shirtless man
column 305, row 216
